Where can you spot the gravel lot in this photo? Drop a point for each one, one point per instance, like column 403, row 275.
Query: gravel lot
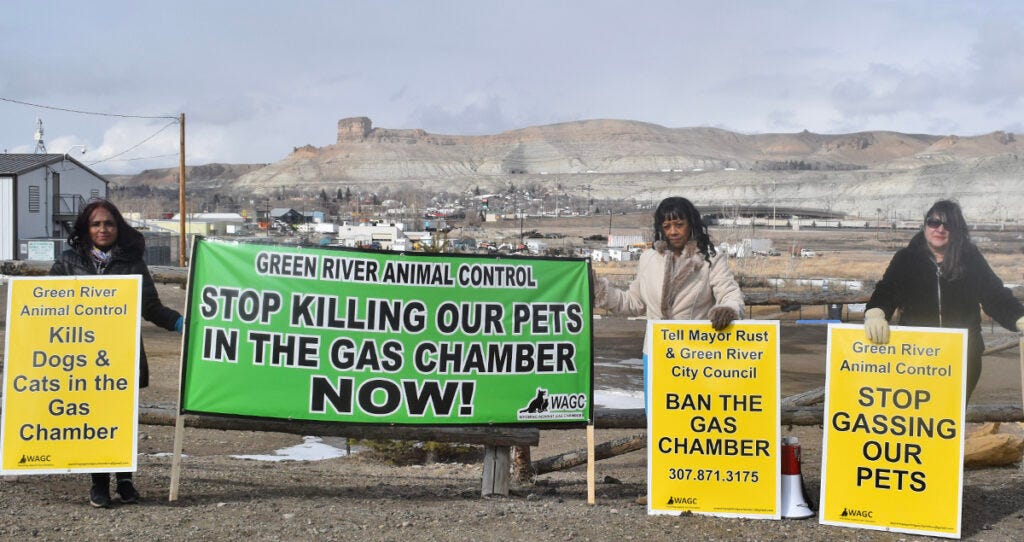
column 356, row 497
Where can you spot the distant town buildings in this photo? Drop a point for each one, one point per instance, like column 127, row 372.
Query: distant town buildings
column 41, row 195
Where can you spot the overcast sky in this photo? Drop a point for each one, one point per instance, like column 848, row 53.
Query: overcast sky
column 257, row 78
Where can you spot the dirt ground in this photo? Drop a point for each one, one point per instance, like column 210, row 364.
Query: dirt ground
column 358, row 498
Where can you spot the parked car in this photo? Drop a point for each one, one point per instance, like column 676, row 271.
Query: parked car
column 807, row 253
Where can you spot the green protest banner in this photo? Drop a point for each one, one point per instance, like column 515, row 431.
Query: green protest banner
column 388, row 338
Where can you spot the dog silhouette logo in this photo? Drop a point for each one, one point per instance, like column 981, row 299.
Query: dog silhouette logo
column 538, row 404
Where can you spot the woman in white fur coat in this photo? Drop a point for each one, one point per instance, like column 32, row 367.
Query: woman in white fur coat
column 682, row 278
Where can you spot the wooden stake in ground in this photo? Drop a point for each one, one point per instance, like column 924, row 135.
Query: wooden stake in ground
column 179, row 437
column 590, row 464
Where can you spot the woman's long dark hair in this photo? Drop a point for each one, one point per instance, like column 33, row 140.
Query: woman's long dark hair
column 128, row 238
column 675, row 207
column 953, row 260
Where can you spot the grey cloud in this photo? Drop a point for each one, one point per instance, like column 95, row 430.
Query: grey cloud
column 782, row 120
column 399, row 94
column 1015, row 127
column 886, row 90
column 230, row 108
column 942, row 125
column 474, row 119
column 997, row 65
column 770, row 86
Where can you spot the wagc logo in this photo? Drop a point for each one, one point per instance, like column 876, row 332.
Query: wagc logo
column 682, row 501
column 853, row 513
column 29, row 459
column 554, row 406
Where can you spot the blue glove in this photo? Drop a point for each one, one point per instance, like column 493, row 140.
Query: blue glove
column 179, row 324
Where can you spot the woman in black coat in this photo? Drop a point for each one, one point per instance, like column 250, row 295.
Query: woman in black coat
column 939, row 280
column 102, row 243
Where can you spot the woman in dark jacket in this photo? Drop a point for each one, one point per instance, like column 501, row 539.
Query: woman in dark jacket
column 939, row 280
column 102, row 243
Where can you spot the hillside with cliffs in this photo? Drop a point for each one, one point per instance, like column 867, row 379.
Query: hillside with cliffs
column 206, row 175
column 863, row 173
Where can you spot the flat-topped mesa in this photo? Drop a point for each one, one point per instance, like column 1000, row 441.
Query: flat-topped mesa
column 361, row 130
column 354, row 129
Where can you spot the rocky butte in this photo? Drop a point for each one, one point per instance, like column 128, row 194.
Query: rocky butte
column 862, row 173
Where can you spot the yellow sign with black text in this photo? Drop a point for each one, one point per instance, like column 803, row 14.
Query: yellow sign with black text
column 713, row 419
column 71, row 358
column 892, row 457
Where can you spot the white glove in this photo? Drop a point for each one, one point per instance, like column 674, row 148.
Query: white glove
column 1020, row 324
column 876, row 326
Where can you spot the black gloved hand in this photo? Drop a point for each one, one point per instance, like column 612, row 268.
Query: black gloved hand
column 721, row 317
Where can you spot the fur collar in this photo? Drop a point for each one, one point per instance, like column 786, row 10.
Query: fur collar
column 678, row 269
column 688, row 250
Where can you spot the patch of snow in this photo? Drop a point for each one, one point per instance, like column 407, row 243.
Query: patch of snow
column 619, row 398
column 311, row 449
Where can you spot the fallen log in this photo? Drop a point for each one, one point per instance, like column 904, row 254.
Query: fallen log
column 781, row 298
column 490, row 436
column 30, row 268
column 993, row 450
column 604, row 450
column 24, row 268
column 1000, row 347
column 636, row 418
column 797, row 296
column 620, row 418
column 807, row 398
column 786, row 298
column 169, row 275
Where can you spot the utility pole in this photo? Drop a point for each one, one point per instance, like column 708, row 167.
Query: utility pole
column 831, row 196
column 773, row 205
column 181, row 192
column 520, row 226
column 180, row 426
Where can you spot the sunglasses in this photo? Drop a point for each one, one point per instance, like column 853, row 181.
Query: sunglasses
column 934, row 223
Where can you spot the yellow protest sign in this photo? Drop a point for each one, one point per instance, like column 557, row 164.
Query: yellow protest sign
column 70, row 400
column 894, row 418
column 713, row 419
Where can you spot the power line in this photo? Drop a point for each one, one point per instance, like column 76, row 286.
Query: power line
column 137, row 145
column 144, row 158
column 82, row 112
column 173, row 119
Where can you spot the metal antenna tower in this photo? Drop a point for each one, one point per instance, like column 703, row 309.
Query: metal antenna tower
column 40, row 145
